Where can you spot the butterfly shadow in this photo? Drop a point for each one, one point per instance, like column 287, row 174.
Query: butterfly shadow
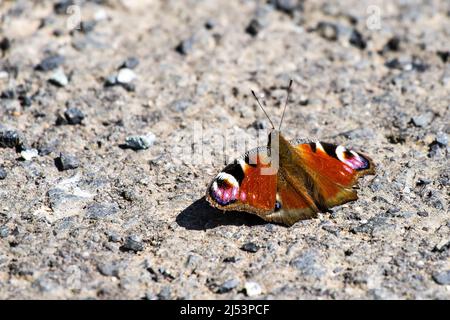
column 201, row 216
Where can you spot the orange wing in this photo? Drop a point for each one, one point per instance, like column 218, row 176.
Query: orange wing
column 334, row 170
column 241, row 185
column 314, row 177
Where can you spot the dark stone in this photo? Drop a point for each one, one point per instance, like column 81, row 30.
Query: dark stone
column 444, row 55
column 133, row 243
column 258, row 125
column 393, row 44
column 328, row 30
column 66, row 162
column 230, row 259
column 357, row 40
column 5, row 44
column 250, row 247
column 394, row 64
column 442, row 278
column 88, row 26
column 25, row 101
column 254, row 27
column 228, row 285
column 3, row 173
column 9, row 139
column 98, row 211
column 288, row 6
column 74, row 116
column 8, row 94
column 130, row 87
column 210, row 24
column 46, row 150
column 422, row 214
column 423, row 182
column 61, row 7
column 185, row 46
column 50, row 63
column 130, row 63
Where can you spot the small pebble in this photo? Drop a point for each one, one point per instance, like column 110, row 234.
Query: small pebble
column 67, row 162
column 59, row 78
column 422, row 120
column 254, row 27
column 8, row 94
column 328, row 31
column 180, row 105
column 442, row 139
column 185, row 46
column 88, row 26
column 210, row 24
column 165, row 293
column 29, row 154
column 130, row 63
column 111, row 80
column 287, row 6
column 393, row 44
column 5, row 44
column 140, row 142
column 61, row 7
column 357, row 40
column 9, row 139
column 442, row 278
column 228, row 285
column 444, row 55
column 50, row 63
column 125, row 75
column 133, row 243
column 259, row 125
column 422, row 214
column 250, row 247
column 3, row 173
column 25, row 101
column 100, row 15
column 4, row 75
column 4, row 231
column 252, row 288
column 98, row 211
column 74, row 116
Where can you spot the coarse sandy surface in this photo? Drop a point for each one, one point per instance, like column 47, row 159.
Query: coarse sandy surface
column 108, row 222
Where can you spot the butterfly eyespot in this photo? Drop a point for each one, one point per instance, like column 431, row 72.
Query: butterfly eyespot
column 351, row 158
column 225, row 189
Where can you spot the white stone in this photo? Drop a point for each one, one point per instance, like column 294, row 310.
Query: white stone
column 60, row 78
column 252, row 288
column 29, row 154
column 125, row 75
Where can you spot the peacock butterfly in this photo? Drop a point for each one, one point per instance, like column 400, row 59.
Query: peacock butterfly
column 288, row 181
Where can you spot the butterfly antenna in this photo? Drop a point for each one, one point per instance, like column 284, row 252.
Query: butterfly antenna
column 285, row 104
column 259, row 103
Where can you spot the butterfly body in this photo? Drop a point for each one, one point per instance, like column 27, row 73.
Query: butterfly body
column 289, row 181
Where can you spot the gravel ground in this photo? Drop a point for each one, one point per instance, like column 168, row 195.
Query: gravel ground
column 101, row 195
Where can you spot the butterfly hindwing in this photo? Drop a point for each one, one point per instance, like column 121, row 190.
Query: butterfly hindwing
column 241, row 185
column 334, row 170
